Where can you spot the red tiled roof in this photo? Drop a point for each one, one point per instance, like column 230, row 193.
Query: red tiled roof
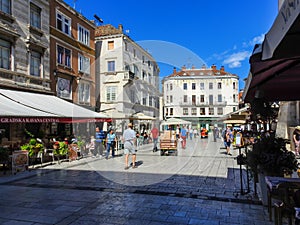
column 200, row 72
column 107, row 30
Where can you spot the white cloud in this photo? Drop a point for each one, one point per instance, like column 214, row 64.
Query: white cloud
column 234, row 60
column 256, row 40
column 219, row 56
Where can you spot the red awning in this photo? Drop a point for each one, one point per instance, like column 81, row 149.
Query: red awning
column 275, row 65
column 282, row 40
column 273, row 80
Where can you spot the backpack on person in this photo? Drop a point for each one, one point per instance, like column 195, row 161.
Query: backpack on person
column 224, row 134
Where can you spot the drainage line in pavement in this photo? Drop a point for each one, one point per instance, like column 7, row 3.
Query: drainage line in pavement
column 146, row 192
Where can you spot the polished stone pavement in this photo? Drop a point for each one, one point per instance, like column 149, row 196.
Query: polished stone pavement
column 199, row 186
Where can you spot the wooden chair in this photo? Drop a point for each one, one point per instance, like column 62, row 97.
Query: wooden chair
column 285, row 208
column 73, row 152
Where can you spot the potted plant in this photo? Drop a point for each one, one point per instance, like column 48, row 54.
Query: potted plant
column 61, row 148
column 270, row 157
column 33, row 147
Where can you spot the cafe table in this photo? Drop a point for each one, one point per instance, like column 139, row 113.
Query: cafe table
column 281, row 189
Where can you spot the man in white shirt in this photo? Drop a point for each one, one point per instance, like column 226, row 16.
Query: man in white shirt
column 129, row 137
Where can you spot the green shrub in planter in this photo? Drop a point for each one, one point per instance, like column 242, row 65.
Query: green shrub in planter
column 33, row 147
column 271, row 157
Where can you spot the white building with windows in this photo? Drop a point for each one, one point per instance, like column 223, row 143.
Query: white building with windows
column 201, row 96
column 129, row 75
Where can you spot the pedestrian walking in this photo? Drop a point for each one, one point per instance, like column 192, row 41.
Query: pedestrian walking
column 183, row 134
column 191, row 133
column 215, row 133
column 195, row 132
column 100, row 137
column 154, row 135
column 129, row 138
column 178, row 130
column 224, row 136
column 111, row 141
column 229, row 140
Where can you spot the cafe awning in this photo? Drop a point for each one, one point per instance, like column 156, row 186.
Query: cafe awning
column 275, row 65
column 234, row 121
column 53, row 106
column 282, row 40
column 141, row 116
column 175, row 121
column 240, row 114
column 9, row 110
column 115, row 114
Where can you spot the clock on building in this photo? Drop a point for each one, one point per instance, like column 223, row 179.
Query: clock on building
column 63, row 88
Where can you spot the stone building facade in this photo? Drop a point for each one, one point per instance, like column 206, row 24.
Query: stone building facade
column 129, row 75
column 24, row 44
column 201, row 96
column 46, row 47
column 72, row 52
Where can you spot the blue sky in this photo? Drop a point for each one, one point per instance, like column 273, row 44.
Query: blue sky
column 203, row 31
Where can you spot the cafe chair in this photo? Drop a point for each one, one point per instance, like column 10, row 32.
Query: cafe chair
column 287, row 207
column 73, row 152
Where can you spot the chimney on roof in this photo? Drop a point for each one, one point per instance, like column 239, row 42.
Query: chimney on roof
column 203, row 66
column 174, row 70
column 193, row 67
column 183, row 67
column 214, row 67
column 120, row 27
column 222, row 68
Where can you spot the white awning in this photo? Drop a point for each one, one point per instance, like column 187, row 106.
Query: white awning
column 115, row 114
column 53, row 105
column 9, row 110
column 238, row 114
column 175, row 121
column 141, row 116
column 234, row 121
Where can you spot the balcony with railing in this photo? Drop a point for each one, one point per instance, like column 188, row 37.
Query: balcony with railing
column 222, row 103
column 202, row 104
column 191, row 104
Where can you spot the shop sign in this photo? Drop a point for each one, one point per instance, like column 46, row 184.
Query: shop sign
column 53, row 120
column 29, row 120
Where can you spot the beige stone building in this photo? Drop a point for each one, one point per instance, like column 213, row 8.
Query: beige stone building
column 129, row 75
column 201, row 96
column 24, row 45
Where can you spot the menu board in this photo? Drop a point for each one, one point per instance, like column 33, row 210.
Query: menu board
column 20, row 161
